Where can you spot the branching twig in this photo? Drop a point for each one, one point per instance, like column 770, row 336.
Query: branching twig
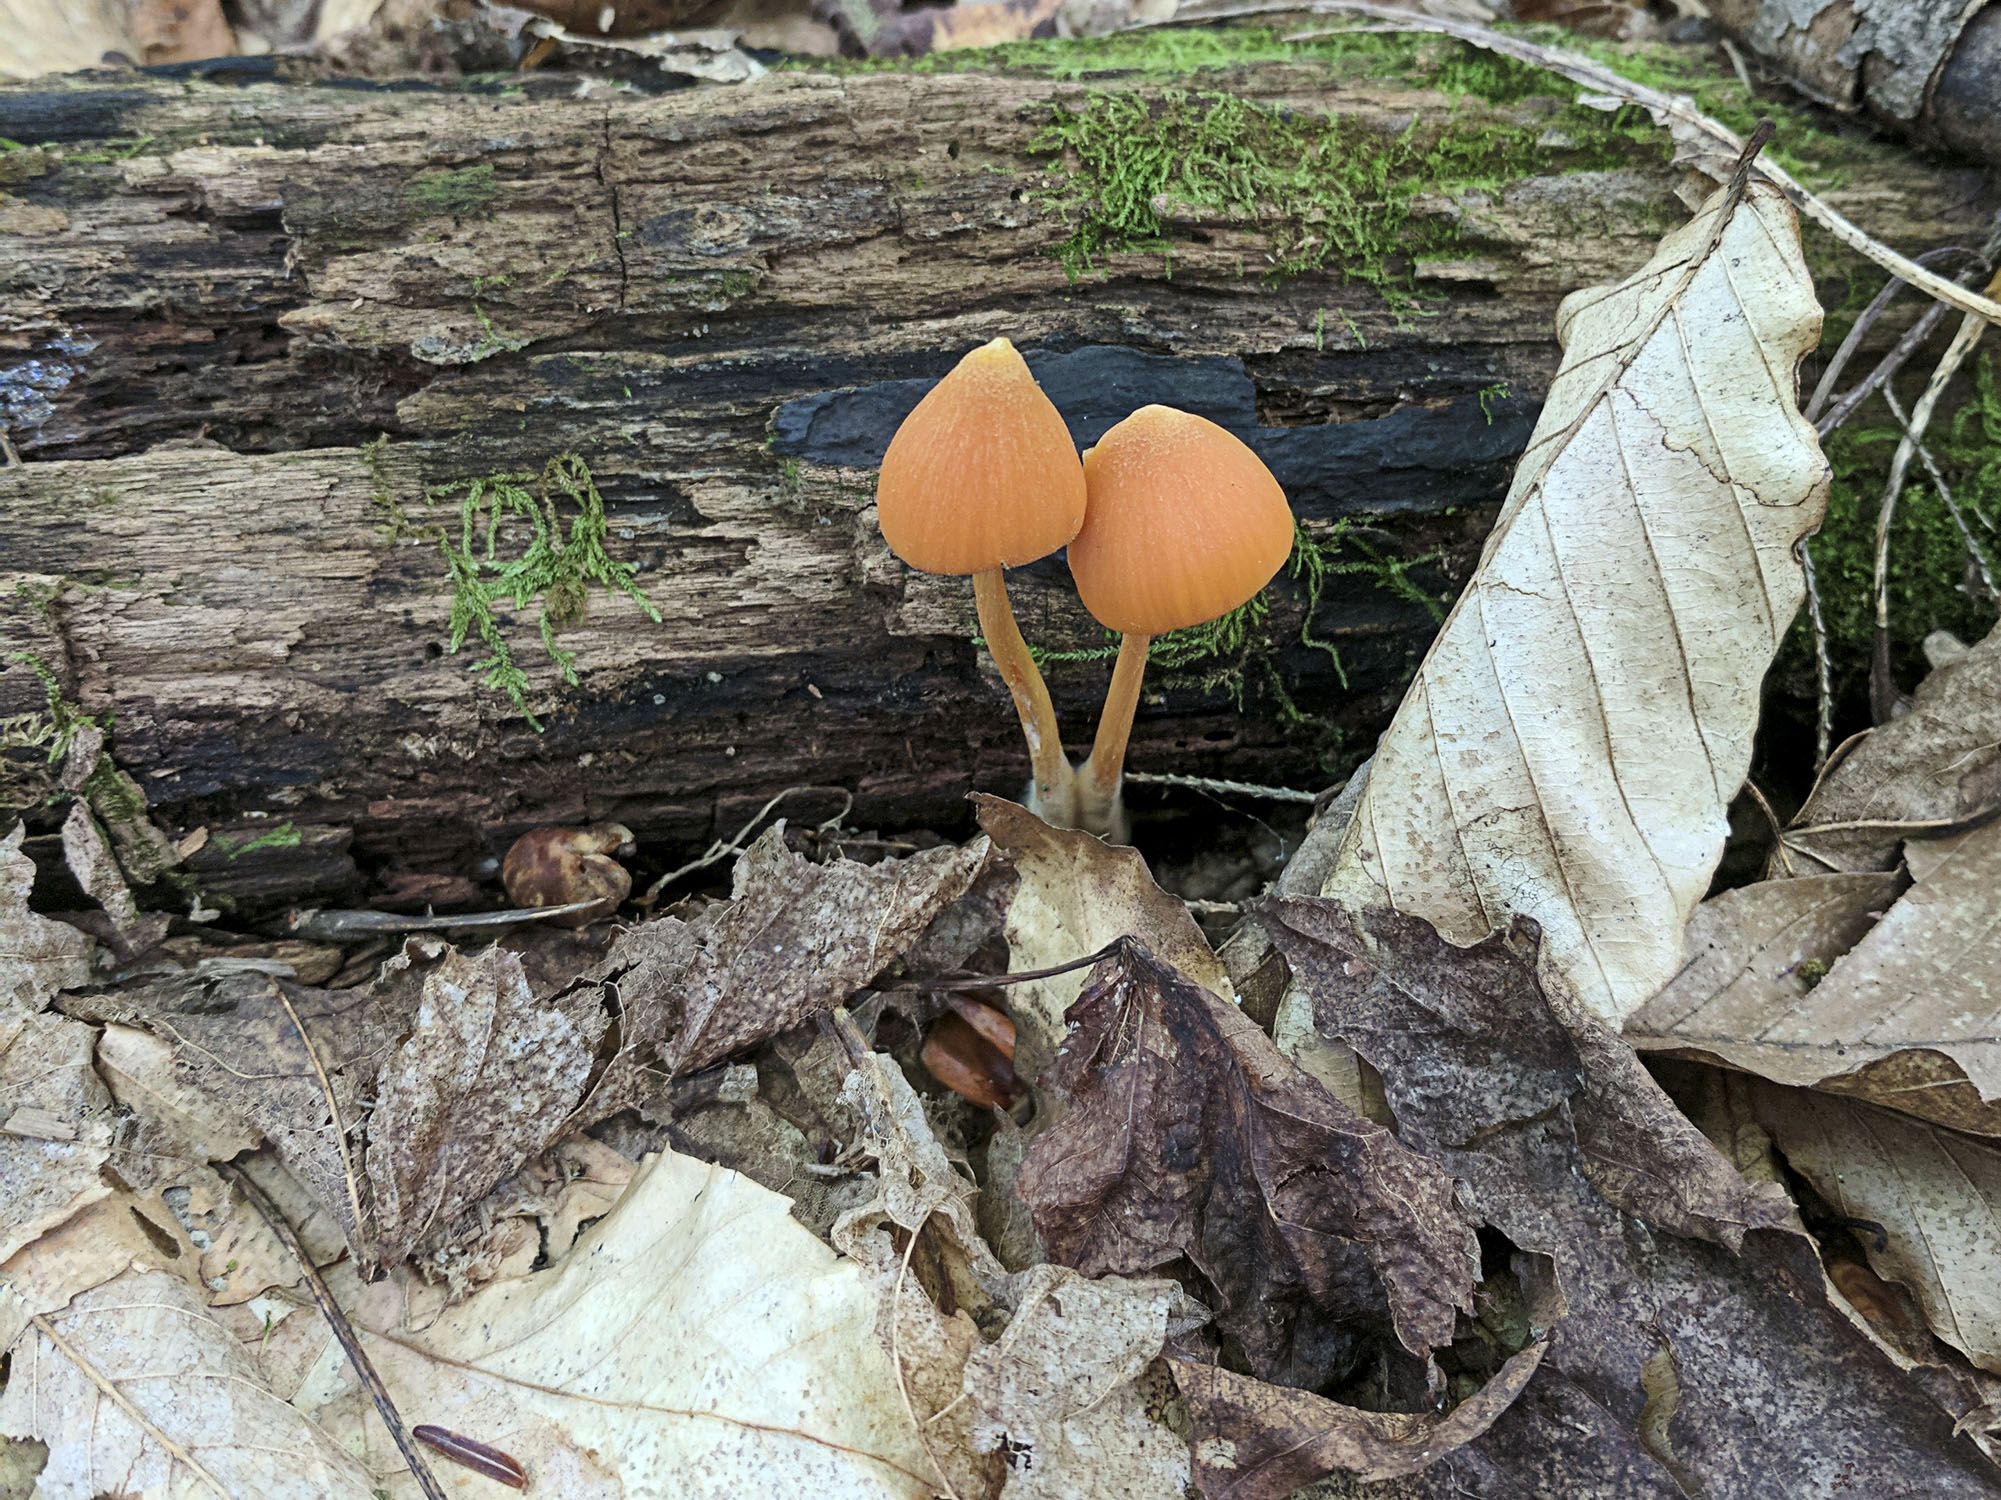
column 719, row 850
column 342, row 1329
column 1226, row 788
column 1944, row 493
column 1883, row 695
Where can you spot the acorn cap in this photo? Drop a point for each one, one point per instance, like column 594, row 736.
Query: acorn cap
column 1185, row 523
column 983, row 473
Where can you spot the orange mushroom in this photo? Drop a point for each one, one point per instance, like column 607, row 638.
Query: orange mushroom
column 983, row 476
column 1184, row 524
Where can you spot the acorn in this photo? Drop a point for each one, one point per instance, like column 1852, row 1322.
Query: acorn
column 970, row 1050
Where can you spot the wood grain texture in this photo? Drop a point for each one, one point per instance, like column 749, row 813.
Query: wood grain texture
column 212, row 295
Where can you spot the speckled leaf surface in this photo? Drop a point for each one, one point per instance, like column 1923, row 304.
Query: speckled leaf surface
column 1572, row 741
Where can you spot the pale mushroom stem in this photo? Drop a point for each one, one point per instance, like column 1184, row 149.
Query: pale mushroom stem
column 1054, row 794
column 1098, row 785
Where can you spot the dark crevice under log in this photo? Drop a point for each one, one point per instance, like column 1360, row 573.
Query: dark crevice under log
column 213, row 296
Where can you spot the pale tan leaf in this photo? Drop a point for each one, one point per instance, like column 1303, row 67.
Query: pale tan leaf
column 697, row 1342
column 1075, row 894
column 1936, row 1195
column 91, row 1247
column 1573, row 740
column 1939, row 762
column 55, row 1129
column 1755, row 951
column 1057, row 1391
column 38, row 37
column 37, row 957
column 1909, row 1017
column 137, row 1390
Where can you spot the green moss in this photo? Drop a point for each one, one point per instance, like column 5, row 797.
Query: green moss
column 1931, row 584
column 118, row 149
column 462, row 194
column 284, row 836
column 1324, row 193
column 33, row 744
column 552, row 567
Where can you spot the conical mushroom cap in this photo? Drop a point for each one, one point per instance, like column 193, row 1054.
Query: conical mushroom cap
column 983, row 473
column 1185, row 523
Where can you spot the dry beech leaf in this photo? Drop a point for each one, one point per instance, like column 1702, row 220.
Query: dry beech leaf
column 1187, row 1134
column 1266, row 1441
column 1936, row 1196
column 1678, row 1367
column 796, row 938
column 55, row 1126
column 38, row 38
column 1939, row 762
column 136, row 1387
column 1074, row 894
column 1573, row 739
column 1908, row 1017
column 38, row 957
column 484, row 1082
column 696, row 1342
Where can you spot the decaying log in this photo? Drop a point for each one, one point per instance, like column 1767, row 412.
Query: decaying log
column 215, row 297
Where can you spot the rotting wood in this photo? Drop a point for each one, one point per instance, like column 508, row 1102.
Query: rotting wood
column 212, row 298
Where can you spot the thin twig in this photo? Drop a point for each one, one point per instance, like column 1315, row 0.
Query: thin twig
column 343, row 1330
column 1025, row 976
column 1883, row 694
column 896, row 1360
column 333, row 1108
column 1892, row 288
column 124, row 1403
column 1886, row 367
column 1944, row 493
column 719, row 850
column 1778, row 828
column 13, row 459
column 1823, row 668
column 1227, row 788
column 1604, row 80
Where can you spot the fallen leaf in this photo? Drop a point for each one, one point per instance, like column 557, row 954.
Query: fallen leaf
column 1907, row 1017
column 37, row 957
column 1074, row 894
column 1187, row 1134
column 55, row 1128
column 1937, row 763
column 1925, row 1203
column 796, row 938
column 1680, row 1367
column 38, row 38
column 1571, row 744
column 136, row 1386
column 1058, row 1393
column 287, row 1064
column 483, row 1082
column 1476, row 1044
column 696, row 1341
column 1262, row 1442
column 884, row 28
column 171, row 31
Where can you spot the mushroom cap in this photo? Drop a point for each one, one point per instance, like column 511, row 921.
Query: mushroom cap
column 1185, row 523
column 983, row 473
